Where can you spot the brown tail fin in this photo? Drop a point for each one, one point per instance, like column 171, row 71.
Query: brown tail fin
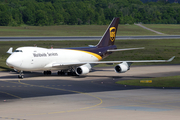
column 109, row 36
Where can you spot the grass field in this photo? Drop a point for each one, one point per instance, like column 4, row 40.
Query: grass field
column 87, row 30
column 154, row 49
column 71, row 30
column 171, row 29
column 172, row 81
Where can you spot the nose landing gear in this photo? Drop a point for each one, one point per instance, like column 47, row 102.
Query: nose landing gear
column 21, row 75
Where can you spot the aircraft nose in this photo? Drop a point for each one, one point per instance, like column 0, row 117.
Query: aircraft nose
column 13, row 61
column 9, row 62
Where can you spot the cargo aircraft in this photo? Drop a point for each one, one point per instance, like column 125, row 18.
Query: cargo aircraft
column 71, row 61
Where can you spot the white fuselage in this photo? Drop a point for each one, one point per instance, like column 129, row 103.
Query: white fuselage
column 36, row 58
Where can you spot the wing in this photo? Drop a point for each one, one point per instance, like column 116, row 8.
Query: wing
column 133, row 61
column 76, row 64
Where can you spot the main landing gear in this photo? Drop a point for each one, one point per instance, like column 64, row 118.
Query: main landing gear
column 47, row 72
column 67, row 73
column 62, row 73
column 21, row 75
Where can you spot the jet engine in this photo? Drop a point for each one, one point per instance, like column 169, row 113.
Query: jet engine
column 84, row 69
column 122, row 68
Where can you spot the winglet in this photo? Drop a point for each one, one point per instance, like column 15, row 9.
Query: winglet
column 10, row 51
column 171, row 59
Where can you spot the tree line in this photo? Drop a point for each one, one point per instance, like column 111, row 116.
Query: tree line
column 77, row 12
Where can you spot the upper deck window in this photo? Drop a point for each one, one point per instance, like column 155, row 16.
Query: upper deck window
column 18, row 51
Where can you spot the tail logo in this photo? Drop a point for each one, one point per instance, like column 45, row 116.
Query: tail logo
column 112, row 33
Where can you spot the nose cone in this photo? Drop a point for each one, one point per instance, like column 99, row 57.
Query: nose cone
column 9, row 61
column 14, row 61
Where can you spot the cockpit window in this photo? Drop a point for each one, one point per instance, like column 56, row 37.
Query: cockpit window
column 18, row 51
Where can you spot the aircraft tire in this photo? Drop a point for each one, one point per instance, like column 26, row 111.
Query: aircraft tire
column 47, row 72
column 61, row 73
column 20, row 76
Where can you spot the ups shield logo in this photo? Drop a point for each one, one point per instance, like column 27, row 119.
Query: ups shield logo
column 112, row 33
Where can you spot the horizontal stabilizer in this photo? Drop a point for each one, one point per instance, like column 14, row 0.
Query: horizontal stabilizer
column 91, row 46
column 114, row 50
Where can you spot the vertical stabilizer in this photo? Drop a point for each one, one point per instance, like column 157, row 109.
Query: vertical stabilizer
column 109, row 36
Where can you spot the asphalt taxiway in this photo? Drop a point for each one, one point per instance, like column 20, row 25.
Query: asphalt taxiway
column 93, row 96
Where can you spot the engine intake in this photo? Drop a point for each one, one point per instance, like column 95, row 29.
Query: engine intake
column 82, row 70
column 122, row 68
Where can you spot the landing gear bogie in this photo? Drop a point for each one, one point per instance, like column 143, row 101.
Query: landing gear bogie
column 61, row 73
column 47, row 72
column 71, row 73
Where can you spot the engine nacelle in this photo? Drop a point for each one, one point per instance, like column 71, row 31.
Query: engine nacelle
column 123, row 67
column 82, row 70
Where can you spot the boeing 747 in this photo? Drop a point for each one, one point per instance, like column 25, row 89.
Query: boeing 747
column 77, row 61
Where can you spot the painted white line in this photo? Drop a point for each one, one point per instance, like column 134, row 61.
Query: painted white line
column 140, row 25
